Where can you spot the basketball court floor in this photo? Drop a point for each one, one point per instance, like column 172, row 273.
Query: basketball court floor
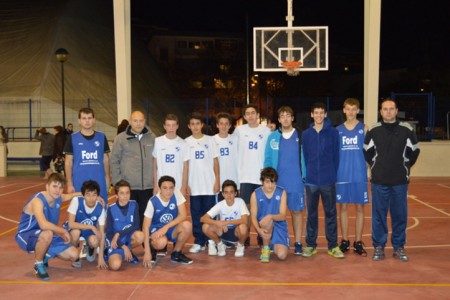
column 425, row 276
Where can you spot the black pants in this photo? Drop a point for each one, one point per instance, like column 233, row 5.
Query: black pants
column 141, row 197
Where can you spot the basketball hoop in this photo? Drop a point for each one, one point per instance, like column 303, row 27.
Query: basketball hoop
column 292, row 67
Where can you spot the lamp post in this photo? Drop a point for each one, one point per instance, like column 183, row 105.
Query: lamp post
column 62, row 56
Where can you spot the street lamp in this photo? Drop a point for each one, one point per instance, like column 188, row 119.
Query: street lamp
column 62, row 56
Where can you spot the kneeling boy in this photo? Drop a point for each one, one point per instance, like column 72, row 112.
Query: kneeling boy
column 87, row 220
column 122, row 227
column 38, row 231
column 164, row 221
column 232, row 224
column 268, row 214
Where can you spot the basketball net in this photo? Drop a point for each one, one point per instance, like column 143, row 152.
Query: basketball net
column 292, row 67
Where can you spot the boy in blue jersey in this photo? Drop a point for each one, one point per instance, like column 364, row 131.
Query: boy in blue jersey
column 122, row 228
column 87, row 155
column 164, row 221
column 231, row 225
column 320, row 146
column 268, row 213
column 87, row 221
column 283, row 153
column 351, row 185
column 38, row 231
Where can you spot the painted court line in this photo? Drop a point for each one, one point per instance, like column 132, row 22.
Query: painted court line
column 15, row 191
column 443, row 185
column 324, row 284
column 428, row 205
column 10, row 220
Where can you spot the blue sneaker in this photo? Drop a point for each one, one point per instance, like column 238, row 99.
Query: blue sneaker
column 45, row 261
column 134, row 260
column 298, row 248
column 41, row 272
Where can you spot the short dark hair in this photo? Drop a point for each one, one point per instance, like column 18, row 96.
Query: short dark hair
column 319, row 105
column 250, row 105
column 171, row 117
column 164, row 179
column 387, row 99
column 195, row 116
column 121, row 183
column 86, row 111
column 229, row 182
column 224, row 115
column 269, row 173
column 90, row 186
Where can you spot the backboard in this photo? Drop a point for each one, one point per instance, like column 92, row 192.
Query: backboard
column 274, row 45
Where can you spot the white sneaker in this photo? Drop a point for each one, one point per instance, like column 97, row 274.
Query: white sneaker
column 212, row 250
column 239, row 250
column 76, row 264
column 221, row 247
column 90, row 257
column 196, row 248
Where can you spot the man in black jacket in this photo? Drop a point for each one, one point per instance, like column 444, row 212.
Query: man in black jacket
column 391, row 149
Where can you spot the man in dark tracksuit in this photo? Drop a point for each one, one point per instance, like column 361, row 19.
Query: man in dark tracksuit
column 391, row 149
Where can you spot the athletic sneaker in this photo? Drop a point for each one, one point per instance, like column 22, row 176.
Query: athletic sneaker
column 221, row 249
column 358, row 248
column 345, row 245
column 179, row 257
column 265, row 254
column 229, row 245
column 239, row 250
column 76, row 264
column 378, row 254
column 90, row 257
column 134, row 260
column 400, row 254
column 298, row 248
column 212, row 250
column 309, row 251
column 163, row 252
column 336, row 252
column 196, row 248
column 41, row 272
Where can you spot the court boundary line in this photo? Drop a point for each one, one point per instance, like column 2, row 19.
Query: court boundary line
column 415, row 198
column 15, row 191
column 443, row 185
column 203, row 283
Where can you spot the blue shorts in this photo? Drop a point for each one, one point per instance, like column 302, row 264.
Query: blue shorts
column 280, row 234
column 295, row 201
column 126, row 240
column 169, row 234
column 230, row 235
column 355, row 193
column 28, row 240
column 246, row 191
column 85, row 233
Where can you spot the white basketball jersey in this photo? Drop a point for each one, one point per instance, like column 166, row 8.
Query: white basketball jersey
column 228, row 160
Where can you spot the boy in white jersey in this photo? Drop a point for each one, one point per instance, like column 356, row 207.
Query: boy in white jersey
column 232, row 224
column 170, row 155
column 268, row 214
column 203, row 178
column 227, row 145
column 164, row 221
column 87, row 220
column 351, row 185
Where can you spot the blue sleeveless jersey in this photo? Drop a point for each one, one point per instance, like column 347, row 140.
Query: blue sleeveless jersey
column 269, row 206
column 290, row 177
column 51, row 213
column 88, row 161
column 122, row 222
column 163, row 215
column 352, row 165
column 86, row 218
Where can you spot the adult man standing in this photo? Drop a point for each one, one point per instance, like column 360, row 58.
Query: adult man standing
column 131, row 160
column 283, row 153
column 391, row 149
column 87, row 155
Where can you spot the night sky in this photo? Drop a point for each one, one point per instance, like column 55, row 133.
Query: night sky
column 413, row 32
